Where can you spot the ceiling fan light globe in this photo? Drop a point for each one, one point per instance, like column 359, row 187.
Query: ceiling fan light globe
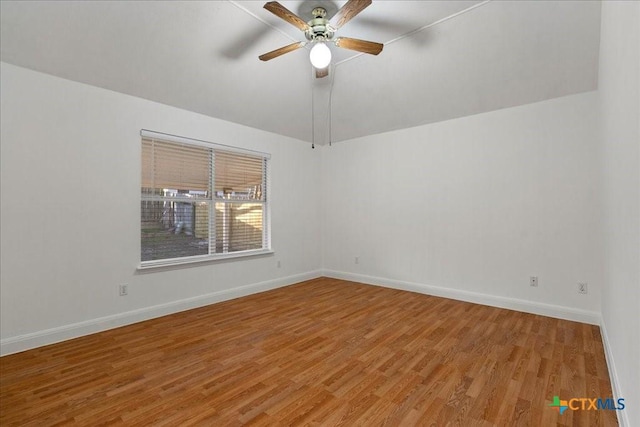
column 320, row 55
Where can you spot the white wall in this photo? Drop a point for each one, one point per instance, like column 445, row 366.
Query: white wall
column 619, row 90
column 70, row 211
column 472, row 207
column 468, row 208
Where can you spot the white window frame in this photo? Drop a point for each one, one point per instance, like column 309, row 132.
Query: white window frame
column 266, row 229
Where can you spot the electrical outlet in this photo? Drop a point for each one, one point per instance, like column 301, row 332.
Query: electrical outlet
column 357, row 260
column 533, row 281
column 582, row 288
column 124, row 290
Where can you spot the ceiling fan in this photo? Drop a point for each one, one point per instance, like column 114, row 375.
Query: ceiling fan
column 320, row 30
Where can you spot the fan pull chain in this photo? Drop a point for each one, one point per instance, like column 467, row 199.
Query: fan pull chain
column 333, row 75
column 313, row 115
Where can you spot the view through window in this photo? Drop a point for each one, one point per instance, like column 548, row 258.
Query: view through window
column 200, row 200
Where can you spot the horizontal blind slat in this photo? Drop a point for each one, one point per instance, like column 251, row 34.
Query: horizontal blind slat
column 175, row 166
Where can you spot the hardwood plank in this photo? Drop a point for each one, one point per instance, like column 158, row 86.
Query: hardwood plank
column 322, row 352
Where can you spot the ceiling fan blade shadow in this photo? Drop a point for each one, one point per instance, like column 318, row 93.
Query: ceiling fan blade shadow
column 358, row 45
column 283, row 13
column 348, row 12
column 240, row 47
column 281, row 51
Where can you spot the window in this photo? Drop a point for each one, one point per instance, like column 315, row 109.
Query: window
column 201, row 201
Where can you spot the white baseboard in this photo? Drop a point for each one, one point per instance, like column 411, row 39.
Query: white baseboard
column 623, row 417
column 550, row 310
column 62, row 333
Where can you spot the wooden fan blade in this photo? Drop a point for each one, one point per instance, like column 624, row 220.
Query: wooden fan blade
column 322, row 72
column 364, row 46
column 348, row 11
column 286, row 49
column 282, row 12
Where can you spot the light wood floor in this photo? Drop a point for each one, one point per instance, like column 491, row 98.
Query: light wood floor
column 322, row 352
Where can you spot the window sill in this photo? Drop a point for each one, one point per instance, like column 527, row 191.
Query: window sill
column 148, row 266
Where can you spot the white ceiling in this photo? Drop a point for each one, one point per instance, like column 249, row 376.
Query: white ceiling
column 473, row 57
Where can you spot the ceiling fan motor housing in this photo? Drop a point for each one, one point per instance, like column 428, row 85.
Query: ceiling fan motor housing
column 319, row 28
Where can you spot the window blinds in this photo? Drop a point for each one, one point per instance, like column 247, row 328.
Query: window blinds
column 201, row 199
column 175, row 165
